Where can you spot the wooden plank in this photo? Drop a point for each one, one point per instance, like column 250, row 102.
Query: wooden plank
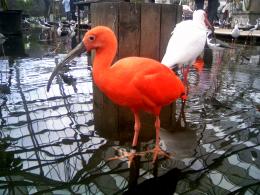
column 105, row 123
column 129, row 30
column 149, row 47
column 170, row 14
column 142, row 30
column 150, row 31
column 128, row 45
column 224, row 31
column 178, row 15
column 168, row 22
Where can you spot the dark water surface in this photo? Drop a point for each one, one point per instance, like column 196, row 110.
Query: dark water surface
column 48, row 144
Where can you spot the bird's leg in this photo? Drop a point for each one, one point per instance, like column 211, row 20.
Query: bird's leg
column 137, row 127
column 185, row 73
column 185, row 78
column 157, row 150
column 130, row 155
column 182, row 114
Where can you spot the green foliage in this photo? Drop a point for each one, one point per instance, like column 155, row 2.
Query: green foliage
column 4, row 5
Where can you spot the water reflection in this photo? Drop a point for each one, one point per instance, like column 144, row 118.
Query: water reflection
column 48, row 143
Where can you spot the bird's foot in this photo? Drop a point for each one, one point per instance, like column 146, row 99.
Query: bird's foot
column 157, row 151
column 124, row 154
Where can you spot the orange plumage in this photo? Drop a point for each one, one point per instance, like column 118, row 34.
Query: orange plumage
column 134, row 82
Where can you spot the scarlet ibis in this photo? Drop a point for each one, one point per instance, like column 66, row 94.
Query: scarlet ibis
column 135, row 82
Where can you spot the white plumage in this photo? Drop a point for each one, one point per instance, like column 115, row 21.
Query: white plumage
column 235, row 33
column 187, row 41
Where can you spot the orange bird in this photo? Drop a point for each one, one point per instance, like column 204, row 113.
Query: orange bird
column 135, row 82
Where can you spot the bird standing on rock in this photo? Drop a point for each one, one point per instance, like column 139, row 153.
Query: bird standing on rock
column 134, row 82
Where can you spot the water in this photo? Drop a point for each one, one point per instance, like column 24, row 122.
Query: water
column 49, row 145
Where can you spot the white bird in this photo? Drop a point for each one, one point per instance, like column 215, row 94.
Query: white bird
column 235, row 33
column 248, row 25
column 66, row 29
column 62, row 31
column 216, row 44
column 187, row 41
column 255, row 27
column 44, row 25
column 72, row 29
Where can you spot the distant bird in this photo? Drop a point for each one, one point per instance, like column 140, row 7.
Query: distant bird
column 62, row 31
column 44, row 25
column 255, row 27
column 66, row 29
column 134, row 82
column 251, row 29
column 2, row 38
column 216, row 44
column 72, row 29
column 187, row 42
column 235, row 33
column 248, row 25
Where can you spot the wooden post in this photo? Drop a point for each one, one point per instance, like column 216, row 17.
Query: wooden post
column 142, row 30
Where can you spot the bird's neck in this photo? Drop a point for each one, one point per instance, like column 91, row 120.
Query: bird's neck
column 200, row 25
column 102, row 62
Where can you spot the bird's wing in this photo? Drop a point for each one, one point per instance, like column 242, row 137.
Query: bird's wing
column 159, row 85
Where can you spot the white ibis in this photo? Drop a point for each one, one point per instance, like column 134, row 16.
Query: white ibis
column 187, row 42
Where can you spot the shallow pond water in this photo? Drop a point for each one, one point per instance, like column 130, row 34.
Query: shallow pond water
column 48, row 144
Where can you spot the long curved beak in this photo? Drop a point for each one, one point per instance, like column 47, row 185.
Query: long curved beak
column 80, row 48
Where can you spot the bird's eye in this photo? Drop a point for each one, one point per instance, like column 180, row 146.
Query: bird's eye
column 91, row 38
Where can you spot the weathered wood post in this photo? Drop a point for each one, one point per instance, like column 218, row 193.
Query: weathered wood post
column 142, row 30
